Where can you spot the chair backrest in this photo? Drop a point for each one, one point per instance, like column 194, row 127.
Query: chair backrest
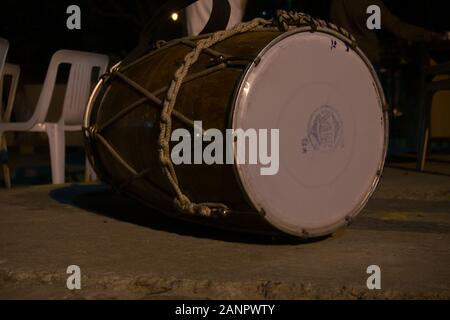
column 12, row 70
column 4, row 46
column 79, row 84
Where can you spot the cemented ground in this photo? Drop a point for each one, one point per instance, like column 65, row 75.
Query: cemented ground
column 127, row 252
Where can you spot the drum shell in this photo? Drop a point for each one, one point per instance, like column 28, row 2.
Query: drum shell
column 135, row 136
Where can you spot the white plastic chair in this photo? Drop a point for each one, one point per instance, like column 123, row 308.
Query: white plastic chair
column 13, row 71
column 77, row 93
column 4, row 46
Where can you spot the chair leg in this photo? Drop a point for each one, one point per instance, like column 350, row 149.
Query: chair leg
column 424, row 131
column 57, row 143
column 6, row 176
column 423, row 150
column 5, row 167
column 89, row 173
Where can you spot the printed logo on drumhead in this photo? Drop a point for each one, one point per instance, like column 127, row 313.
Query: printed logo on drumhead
column 325, row 129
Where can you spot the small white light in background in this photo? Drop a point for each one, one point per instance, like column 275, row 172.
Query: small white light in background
column 174, row 16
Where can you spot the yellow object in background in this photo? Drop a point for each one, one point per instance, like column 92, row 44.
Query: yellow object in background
column 440, row 112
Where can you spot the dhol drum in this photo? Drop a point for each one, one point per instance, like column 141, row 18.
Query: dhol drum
column 309, row 85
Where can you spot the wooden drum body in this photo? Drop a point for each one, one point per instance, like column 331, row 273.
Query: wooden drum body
column 311, row 84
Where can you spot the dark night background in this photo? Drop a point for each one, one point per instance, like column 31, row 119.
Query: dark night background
column 36, row 29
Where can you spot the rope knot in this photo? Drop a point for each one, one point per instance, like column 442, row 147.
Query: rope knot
column 164, row 159
column 203, row 210
column 165, row 118
column 183, row 203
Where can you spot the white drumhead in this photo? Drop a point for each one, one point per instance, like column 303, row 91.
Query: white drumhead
column 327, row 104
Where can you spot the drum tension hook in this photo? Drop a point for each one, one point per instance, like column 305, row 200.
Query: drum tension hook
column 216, row 61
column 305, row 234
column 313, row 26
column 349, row 220
column 257, row 60
column 233, row 60
column 262, row 212
column 219, row 212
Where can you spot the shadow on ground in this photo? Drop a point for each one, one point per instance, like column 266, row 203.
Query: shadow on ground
column 103, row 200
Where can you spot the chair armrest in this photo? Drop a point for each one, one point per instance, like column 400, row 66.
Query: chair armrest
column 16, row 126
